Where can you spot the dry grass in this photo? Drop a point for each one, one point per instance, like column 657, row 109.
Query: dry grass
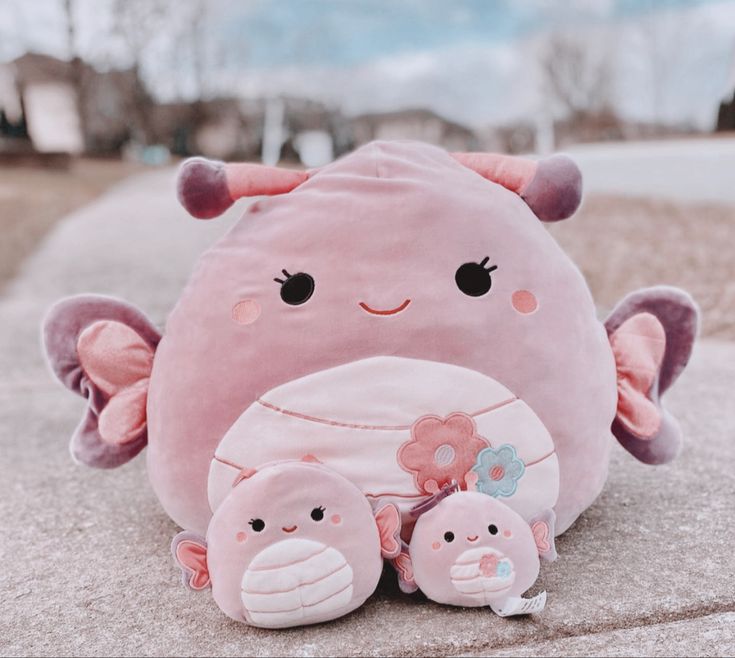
column 33, row 199
column 622, row 244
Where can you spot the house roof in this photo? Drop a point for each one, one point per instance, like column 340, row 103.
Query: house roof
column 408, row 114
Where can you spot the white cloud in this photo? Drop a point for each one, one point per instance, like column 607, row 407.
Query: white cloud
column 674, row 63
column 673, row 66
column 476, row 84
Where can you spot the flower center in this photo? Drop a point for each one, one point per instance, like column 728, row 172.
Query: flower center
column 488, row 565
column 497, row 472
column 444, row 455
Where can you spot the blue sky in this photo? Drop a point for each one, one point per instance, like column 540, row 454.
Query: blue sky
column 351, row 32
column 475, row 61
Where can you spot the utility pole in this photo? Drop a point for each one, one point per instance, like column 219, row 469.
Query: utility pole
column 76, row 72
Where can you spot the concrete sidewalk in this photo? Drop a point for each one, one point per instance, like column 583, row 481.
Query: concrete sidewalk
column 648, row 569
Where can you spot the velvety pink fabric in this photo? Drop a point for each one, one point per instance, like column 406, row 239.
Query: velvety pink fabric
column 552, row 187
column 638, row 346
column 555, row 192
column 458, row 546
column 246, row 179
column 509, row 171
column 388, row 520
column 391, row 221
column 206, row 188
column 679, row 317
column 119, row 361
column 113, row 355
column 397, row 428
column 383, row 229
column 124, row 417
column 121, row 418
column 191, row 554
column 292, row 567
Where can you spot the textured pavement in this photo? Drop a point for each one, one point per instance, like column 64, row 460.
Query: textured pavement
column 648, row 569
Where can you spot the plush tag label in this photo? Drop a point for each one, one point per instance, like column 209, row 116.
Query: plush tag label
column 516, row 605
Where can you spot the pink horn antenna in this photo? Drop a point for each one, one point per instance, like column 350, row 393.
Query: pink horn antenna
column 207, row 188
column 551, row 187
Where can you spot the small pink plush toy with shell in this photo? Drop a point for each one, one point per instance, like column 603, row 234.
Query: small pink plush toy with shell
column 469, row 549
column 293, row 543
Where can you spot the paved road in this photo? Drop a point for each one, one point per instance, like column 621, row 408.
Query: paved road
column 647, row 570
column 679, row 170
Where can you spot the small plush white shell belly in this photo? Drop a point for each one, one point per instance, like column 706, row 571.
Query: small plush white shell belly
column 296, row 581
column 470, row 578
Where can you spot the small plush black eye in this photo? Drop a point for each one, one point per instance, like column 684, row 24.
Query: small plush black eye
column 317, row 514
column 297, row 288
column 492, row 529
column 473, row 279
column 449, row 537
column 257, row 524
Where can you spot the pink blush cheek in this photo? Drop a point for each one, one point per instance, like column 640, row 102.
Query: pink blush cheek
column 336, row 519
column 246, row 312
column 507, row 534
column 524, row 301
column 436, row 546
column 241, row 537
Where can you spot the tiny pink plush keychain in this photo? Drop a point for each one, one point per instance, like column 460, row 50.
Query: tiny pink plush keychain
column 469, row 549
column 294, row 543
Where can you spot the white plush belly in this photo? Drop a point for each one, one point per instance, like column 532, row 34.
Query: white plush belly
column 482, row 575
column 296, row 581
column 355, row 418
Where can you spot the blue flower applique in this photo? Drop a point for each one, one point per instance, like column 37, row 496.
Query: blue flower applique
column 503, row 569
column 498, row 471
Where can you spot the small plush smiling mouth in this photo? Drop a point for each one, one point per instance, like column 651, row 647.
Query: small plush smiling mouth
column 473, row 538
column 290, row 529
column 391, row 311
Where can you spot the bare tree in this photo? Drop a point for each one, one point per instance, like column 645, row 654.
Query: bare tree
column 198, row 57
column 663, row 40
column 578, row 79
column 138, row 23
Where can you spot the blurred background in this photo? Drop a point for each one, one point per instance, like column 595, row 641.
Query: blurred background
column 641, row 92
column 307, row 80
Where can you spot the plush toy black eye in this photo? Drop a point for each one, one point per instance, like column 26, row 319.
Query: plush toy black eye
column 297, row 288
column 317, row 513
column 492, row 529
column 449, row 537
column 257, row 524
column 473, row 279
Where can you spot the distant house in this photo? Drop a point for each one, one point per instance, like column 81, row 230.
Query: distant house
column 419, row 124
column 67, row 106
column 314, row 132
column 515, row 137
column 12, row 122
column 235, row 129
column 222, row 128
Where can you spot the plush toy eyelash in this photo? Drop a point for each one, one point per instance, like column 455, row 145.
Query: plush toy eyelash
column 251, row 521
column 282, row 281
column 484, row 262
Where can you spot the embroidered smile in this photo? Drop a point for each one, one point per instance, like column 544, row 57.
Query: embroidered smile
column 390, row 311
column 291, row 529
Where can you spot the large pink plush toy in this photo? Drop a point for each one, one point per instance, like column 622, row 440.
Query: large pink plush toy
column 397, row 263
column 293, row 543
column 472, row 550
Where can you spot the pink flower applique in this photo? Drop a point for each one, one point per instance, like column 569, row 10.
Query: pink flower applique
column 489, row 565
column 441, row 450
